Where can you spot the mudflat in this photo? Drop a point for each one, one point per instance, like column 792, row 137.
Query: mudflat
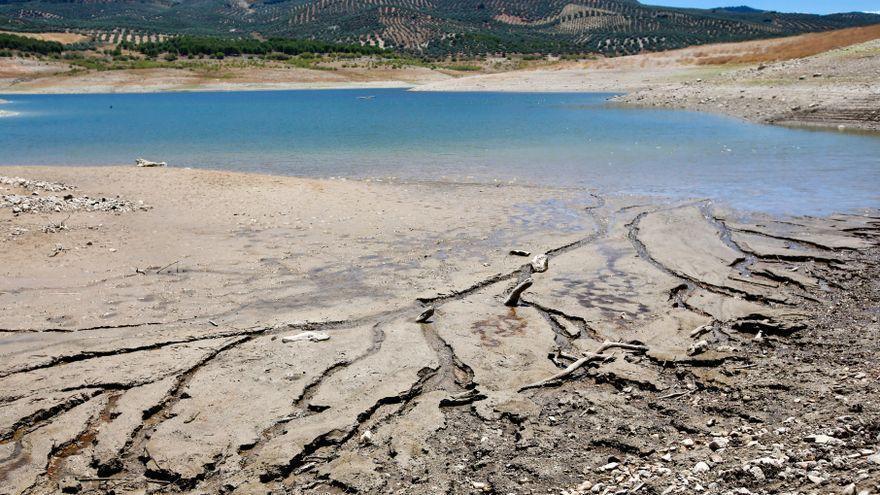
column 175, row 330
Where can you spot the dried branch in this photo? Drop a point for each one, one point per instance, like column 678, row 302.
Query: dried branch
column 587, row 359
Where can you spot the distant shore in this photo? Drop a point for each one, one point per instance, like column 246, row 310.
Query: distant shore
column 819, row 80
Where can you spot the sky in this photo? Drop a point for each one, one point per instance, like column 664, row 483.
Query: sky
column 810, row 6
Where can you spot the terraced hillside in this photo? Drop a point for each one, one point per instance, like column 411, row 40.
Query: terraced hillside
column 431, row 27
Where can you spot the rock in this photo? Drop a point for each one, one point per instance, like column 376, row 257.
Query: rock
column 307, row 336
column 540, row 263
column 718, row 443
column 69, row 484
column 698, row 348
column 823, row 440
column 815, row 478
column 519, row 252
column 611, row 466
column 757, row 473
column 849, row 489
column 687, row 442
column 367, row 438
column 874, row 458
column 479, row 485
column 140, row 162
column 700, row 467
column 425, row 315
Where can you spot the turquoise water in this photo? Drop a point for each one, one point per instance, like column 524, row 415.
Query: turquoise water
column 556, row 139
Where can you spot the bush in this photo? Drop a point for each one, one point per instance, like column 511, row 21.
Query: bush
column 29, row 45
column 194, row 46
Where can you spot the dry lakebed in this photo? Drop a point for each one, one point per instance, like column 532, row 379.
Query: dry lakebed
column 189, row 331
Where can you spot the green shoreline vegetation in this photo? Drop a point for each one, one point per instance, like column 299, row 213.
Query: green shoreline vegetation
column 10, row 43
column 211, row 55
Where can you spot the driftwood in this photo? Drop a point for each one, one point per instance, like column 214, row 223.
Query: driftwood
column 700, row 330
column 587, row 359
column 140, row 162
column 675, row 395
column 169, row 265
column 513, row 298
column 426, row 315
column 466, row 397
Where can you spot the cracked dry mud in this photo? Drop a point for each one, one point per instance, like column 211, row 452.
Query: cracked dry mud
column 145, row 355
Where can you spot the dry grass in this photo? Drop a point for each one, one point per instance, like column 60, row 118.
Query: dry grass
column 65, row 38
column 805, row 45
column 745, row 52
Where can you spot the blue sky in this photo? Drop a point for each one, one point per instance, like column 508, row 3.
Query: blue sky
column 811, row 6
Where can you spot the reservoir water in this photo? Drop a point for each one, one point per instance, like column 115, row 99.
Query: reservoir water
column 555, row 139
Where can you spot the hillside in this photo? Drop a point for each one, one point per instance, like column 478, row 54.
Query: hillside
column 429, row 27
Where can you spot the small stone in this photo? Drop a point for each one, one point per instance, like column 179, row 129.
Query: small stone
column 687, row 442
column 757, row 473
column 815, row 478
column 367, row 438
column 698, row 348
column 479, row 485
column 874, row 458
column 718, row 443
column 700, row 467
column 69, row 484
column 667, row 458
column 611, row 466
column 849, row 489
column 540, row 263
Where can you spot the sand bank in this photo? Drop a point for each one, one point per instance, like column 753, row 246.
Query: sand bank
column 143, row 346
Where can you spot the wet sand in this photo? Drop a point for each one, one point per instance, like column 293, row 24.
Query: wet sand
column 667, row 345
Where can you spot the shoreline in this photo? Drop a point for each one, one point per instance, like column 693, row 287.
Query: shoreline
column 247, row 333
column 219, row 88
column 822, row 80
column 787, row 104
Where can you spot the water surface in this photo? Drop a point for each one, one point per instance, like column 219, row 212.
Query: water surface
column 554, row 139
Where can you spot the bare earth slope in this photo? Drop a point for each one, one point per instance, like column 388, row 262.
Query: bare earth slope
column 825, row 79
column 207, row 332
column 836, row 88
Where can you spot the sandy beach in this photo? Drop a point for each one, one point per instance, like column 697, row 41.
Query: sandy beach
column 291, row 335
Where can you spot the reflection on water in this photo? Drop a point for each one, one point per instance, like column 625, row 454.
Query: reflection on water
column 558, row 139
